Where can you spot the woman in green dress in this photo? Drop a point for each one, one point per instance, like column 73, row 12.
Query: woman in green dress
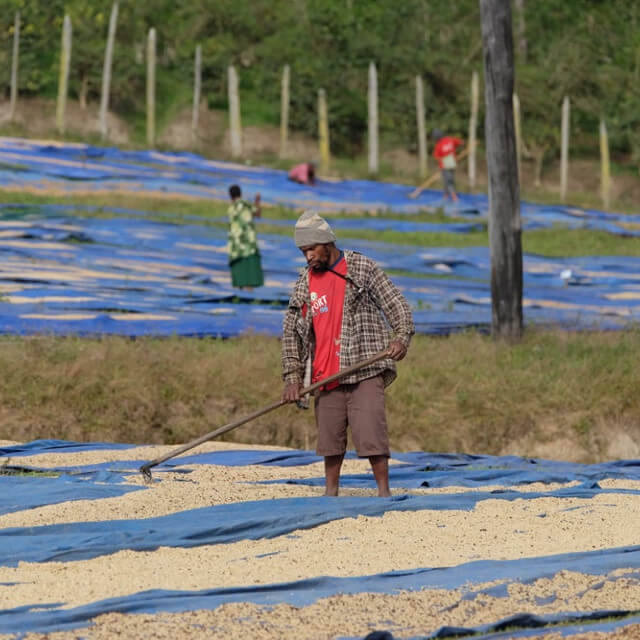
column 244, row 256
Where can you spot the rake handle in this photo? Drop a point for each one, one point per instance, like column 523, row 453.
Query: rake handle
column 145, row 469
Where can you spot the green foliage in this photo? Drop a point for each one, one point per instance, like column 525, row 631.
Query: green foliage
column 588, row 50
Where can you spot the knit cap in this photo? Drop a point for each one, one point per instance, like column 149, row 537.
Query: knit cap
column 312, row 229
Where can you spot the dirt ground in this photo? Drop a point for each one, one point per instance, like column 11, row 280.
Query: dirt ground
column 494, row 530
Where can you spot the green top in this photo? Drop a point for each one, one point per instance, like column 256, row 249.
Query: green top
column 243, row 241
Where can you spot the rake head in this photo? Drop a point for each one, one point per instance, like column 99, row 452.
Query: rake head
column 145, row 470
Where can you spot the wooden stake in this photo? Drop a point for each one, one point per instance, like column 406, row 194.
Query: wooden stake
column 284, row 110
column 323, row 131
column 518, row 130
column 605, row 166
column 235, row 125
column 423, row 164
column 197, row 90
column 14, row 66
column 106, row 71
column 564, row 149
column 373, row 119
column 63, row 82
column 473, row 125
column 151, row 87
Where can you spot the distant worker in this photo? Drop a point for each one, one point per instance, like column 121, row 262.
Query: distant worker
column 304, row 173
column 445, row 153
column 244, row 256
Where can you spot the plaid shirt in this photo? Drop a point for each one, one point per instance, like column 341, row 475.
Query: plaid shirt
column 368, row 302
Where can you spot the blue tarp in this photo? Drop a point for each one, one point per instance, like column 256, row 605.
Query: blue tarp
column 237, row 521
column 45, row 618
column 132, row 276
column 228, row 523
column 79, row 167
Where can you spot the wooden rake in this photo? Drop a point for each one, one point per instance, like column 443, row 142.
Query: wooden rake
column 145, row 469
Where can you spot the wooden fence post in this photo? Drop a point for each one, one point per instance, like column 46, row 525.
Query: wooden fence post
column 14, row 66
column 605, row 169
column 106, row 71
column 373, row 119
column 197, row 90
column 473, row 127
column 323, row 131
column 284, row 110
column 505, row 226
column 423, row 165
column 564, row 149
column 235, row 123
column 151, row 87
column 517, row 122
column 63, row 82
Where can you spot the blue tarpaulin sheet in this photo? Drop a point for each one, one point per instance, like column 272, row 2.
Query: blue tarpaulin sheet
column 305, row 592
column 133, row 276
column 227, row 523
column 70, row 167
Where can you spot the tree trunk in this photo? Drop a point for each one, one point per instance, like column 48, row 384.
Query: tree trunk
column 505, row 228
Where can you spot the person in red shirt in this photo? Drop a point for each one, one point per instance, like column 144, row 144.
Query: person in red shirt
column 344, row 309
column 445, row 153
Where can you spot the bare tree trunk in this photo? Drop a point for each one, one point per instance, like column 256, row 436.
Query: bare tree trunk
column 505, row 228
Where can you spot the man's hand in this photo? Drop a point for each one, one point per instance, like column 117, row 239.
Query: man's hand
column 257, row 205
column 291, row 392
column 397, row 350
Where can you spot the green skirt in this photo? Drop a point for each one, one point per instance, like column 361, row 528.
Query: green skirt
column 247, row 272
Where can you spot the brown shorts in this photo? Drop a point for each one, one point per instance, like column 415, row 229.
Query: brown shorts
column 359, row 406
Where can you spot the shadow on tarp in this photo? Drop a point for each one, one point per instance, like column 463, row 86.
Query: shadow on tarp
column 52, row 617
column 527, row 625
column 226, row 523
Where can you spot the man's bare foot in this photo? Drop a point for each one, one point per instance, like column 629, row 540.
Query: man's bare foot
column 332, row 493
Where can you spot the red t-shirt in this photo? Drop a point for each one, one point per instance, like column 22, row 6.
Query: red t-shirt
column 327, row 302
column 446, row 147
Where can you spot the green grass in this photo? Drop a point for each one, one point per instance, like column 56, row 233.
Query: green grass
column 555, row 242
column 462, row 393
